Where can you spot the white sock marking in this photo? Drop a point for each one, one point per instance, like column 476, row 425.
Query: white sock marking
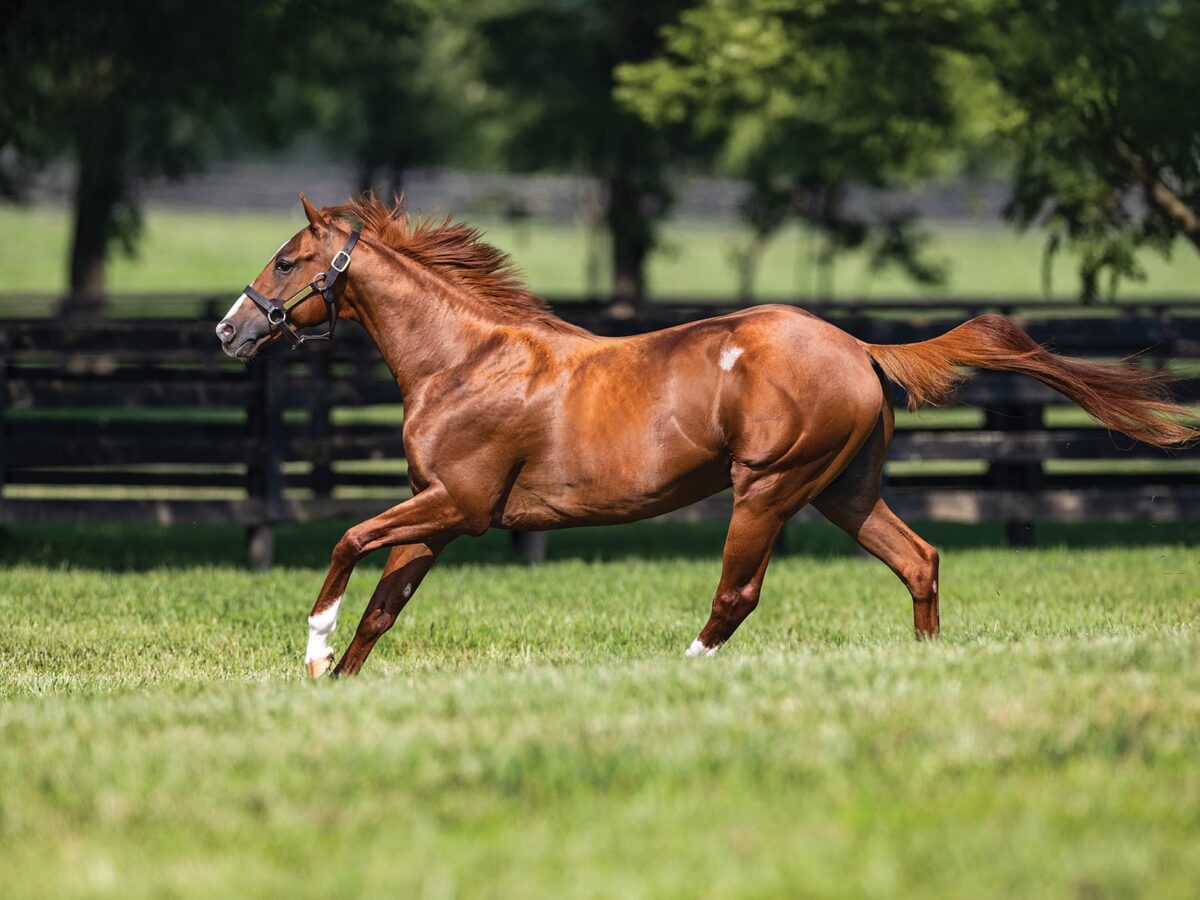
column 729, row 356
column 320, row 627
column 698, row 649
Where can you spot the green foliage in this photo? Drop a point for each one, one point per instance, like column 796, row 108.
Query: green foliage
column 536, row 732
column 376, row 87
column 1103, row 127
column 1086, row 98
column 151, row 89
column 552, row 65
column 809, row 97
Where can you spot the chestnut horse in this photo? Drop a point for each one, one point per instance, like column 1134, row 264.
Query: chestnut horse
column 516, row 419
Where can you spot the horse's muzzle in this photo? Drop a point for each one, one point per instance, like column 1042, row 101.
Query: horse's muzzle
column 240, row 343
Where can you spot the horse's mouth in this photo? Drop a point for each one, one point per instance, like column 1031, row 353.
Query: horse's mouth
column 247, row 349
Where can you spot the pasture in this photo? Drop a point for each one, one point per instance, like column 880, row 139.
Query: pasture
column 537, row 733
column 197, row 252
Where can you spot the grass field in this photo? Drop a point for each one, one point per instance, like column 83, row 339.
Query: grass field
column 201, row 252
column 537, row 733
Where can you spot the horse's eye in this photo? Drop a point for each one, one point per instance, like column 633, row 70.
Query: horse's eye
column 283, row 266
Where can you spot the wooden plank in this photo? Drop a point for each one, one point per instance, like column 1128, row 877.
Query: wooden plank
column 1026, row 446
column 1066, row 505
column 153, row 512
column 133, row 479
column 972, row 506
column 43, row 393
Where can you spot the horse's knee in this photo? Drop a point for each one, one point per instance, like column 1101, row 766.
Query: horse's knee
column 348, row 550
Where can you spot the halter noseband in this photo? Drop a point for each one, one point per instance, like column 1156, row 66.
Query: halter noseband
column 325, row 283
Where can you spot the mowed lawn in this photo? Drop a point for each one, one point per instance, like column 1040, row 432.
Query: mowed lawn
column 197, row 252
column 537, row 733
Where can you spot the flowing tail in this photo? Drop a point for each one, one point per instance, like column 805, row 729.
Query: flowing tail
column 1123, row 397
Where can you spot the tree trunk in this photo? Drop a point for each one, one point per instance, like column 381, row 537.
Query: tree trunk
column 747, row 262
column 99, row 187
column 395, row 185
column 630, row 233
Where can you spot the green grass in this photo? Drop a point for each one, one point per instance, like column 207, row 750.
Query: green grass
column 536, row 733
column 201, row 252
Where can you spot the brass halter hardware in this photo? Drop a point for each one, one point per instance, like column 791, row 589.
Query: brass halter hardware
column 325, row 283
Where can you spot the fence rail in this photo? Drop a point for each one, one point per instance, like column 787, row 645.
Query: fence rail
column 144, row 420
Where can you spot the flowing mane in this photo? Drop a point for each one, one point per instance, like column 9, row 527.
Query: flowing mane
column 454, row 250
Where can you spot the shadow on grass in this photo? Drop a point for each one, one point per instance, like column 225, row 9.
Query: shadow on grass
column 138, row 548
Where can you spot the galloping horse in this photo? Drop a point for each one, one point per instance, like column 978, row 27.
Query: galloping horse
column 516, row 419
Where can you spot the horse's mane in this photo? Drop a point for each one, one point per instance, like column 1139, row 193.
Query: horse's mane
column 454, row 250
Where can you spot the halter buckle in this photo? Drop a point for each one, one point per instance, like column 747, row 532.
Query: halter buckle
column 340, row 261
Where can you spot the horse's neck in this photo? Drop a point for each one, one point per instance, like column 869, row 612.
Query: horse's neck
column 421, row 325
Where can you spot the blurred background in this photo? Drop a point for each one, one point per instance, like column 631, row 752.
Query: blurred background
column 893, row 166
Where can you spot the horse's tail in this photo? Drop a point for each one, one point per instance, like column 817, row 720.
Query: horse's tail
column 1122, row 396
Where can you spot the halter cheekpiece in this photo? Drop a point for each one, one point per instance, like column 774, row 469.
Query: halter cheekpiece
column 325, row 283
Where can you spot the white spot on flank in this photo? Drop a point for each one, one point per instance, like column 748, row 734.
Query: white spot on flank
column 729, row 356
column 935, row 585
column 407, row 591
column 698, row 649
column 320, row 627
column 236, row 306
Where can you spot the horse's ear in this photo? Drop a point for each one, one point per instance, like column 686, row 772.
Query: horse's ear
column 316, row 218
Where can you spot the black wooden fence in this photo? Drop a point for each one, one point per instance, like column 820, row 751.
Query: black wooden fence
column 146, row 421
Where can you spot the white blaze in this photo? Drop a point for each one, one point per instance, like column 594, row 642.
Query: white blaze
column 729, row 356
column 236, row 306
column 320, row 627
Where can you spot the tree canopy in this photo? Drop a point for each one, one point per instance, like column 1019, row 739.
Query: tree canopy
column 1085, row 100
column 151, row 89
column 1085, row 106
column 552, row 63
column 1100, row 115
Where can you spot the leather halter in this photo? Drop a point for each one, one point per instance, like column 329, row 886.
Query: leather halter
column 325, row 283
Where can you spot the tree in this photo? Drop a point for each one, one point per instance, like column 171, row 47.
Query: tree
column 1103, row 123
column 378, row 87
column 151, row 88
column 810, row 97
column 553, row 63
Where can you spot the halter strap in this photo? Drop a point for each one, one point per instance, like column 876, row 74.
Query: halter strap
column 277, row 310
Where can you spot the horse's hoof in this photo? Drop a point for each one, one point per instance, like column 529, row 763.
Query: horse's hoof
column 318, row 667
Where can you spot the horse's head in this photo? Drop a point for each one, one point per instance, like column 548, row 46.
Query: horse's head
column 298, row 289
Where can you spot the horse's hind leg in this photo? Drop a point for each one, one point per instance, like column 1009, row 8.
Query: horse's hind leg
column 406, row 566
column 852, row 502
column 752, row 533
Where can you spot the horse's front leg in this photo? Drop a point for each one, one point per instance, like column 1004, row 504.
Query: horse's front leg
column 407, row 565
column 431, row 517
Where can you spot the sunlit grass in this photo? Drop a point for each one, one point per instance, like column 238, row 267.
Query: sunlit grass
column 200, row 252
column 536, row 733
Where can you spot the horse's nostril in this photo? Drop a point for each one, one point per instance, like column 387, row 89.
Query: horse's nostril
column 225, row 331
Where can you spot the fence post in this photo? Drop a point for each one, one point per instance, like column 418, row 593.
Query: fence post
column 265, row 472
column 320, row 406
column 531, row 545
column 3, row 410
column 1025, row 476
